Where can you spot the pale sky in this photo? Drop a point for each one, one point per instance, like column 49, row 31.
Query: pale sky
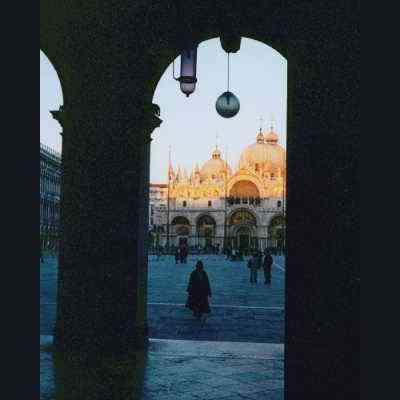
column 258, row 78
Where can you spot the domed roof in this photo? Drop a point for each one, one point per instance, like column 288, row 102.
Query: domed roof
column 215, row 166
column 268, row 154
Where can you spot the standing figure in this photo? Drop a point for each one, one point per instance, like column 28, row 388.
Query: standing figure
column 267, row 267
column 253, row 265
column 199, row 290
column 184, row 252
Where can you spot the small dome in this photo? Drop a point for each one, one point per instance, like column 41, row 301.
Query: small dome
column 215, row 166
column 267, row 155
column 271, row 137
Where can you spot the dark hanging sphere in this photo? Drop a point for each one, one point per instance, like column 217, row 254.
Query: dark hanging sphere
column 227, row 105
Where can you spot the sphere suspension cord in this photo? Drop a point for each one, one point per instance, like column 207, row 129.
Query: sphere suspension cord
column 228, row 72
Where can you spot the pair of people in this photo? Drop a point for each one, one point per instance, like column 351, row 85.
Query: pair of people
column 199, row 290
column 256, row 262
column 181, row 254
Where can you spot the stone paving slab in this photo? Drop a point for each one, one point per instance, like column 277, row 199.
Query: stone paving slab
column 180, row 369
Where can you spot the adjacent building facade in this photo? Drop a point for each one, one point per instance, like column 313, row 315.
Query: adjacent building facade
column 50, row 179
column 216, row 206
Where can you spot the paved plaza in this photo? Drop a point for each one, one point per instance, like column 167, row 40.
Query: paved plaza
column 237, row 354
column 173, row 370
column 239, row 311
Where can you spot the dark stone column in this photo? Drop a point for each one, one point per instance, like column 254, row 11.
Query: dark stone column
column 322, row 280
column 102, row 263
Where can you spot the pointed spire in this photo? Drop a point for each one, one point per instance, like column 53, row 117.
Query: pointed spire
column 272, row 124
column 184, row 174
column 261, row 119
column 260, row 136
column 170, row 169
column 178, row 175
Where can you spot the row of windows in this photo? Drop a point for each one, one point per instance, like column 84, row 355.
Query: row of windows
column 244, row 200
column 184, row 203
column 238, row 200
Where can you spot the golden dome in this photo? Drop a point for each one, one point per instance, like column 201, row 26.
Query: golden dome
column 215, row 166
column 267, row 155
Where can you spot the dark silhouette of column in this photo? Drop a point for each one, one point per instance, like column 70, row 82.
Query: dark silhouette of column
column 101, row 302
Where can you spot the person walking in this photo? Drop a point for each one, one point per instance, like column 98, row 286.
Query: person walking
column 253, row 265
column 267, row 267
column 198, row 291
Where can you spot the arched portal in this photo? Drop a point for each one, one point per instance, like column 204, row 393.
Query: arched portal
column 181, row 230
column 206, row 230
column 242, row 230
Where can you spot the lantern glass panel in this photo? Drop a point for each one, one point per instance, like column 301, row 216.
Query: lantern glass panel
column 188, row 65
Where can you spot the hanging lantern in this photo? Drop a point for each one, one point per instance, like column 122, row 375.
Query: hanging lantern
column 188, row 71
column 227, row 105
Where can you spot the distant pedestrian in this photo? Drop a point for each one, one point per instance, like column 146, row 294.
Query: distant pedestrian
column 253, row 265
column 183, row 252
column 267, row 267
column 229, row 253
column 198, row 291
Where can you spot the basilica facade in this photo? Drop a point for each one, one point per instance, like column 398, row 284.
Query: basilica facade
column 216, row 206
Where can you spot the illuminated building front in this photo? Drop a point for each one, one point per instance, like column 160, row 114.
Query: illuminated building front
column 216, row 206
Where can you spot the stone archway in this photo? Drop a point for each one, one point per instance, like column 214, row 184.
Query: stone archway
column 181, row 230
column 106, row 168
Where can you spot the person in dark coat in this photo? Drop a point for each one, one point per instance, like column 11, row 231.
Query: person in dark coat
column 183, row 254
column 253, row 264
column 199, row 290
column 267, row 267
